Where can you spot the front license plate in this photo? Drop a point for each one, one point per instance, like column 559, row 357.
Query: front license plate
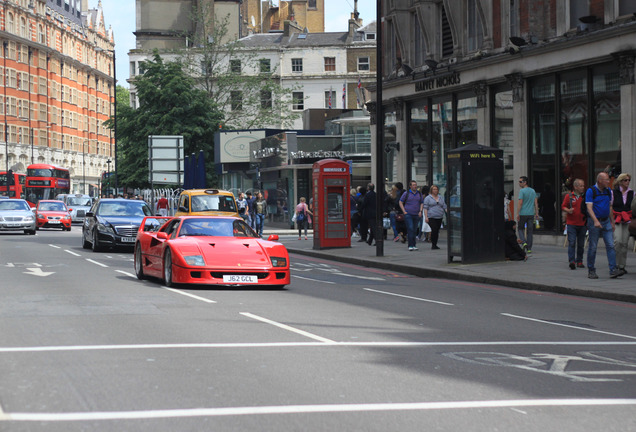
column 128, row 239
column 54, row 221
column 240, row 279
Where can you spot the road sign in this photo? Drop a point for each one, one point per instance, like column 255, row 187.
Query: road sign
column 165, row 159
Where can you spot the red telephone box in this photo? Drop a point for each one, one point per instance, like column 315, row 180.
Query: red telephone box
column 331, row 184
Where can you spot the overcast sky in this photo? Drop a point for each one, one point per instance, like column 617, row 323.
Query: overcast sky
column 120, row 14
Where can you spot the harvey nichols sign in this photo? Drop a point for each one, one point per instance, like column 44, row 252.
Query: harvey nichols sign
column 438, row 82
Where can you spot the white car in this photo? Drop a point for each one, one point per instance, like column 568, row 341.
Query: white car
column 77, row 204
column 16, row 215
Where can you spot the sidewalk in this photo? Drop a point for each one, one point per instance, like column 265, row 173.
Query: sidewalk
column 545, row 270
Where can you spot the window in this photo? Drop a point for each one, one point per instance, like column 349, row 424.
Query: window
column 475, row 31
column 265, row 65
column 330, row 99
column 447, row 35
column 297, row 65
column 236, row 100
column 266, row 99
column 363, row 63
column 369, row 36
column 626, row 7
column 235, row 66
column 514, row 18
column 298, row 101
column 330, row 64
column 419, row 48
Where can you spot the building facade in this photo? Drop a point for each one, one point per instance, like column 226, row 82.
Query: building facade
column 58, row 88
column 551, row 83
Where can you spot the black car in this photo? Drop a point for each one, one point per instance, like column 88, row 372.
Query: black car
column 113, row 222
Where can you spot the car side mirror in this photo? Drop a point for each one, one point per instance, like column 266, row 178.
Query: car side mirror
column 162, row 235
column 273, row 237
column 183, row 209
column 70, row 210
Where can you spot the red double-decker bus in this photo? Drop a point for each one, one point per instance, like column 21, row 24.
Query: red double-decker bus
column 16, row 184
column 44, row 181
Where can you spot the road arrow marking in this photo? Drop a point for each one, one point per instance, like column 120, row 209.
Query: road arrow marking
column 37, row 271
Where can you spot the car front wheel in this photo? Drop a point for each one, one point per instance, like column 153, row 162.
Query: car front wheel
column 96, row 246
column 85, row 243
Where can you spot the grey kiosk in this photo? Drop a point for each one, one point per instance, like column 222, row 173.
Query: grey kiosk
column 475, row 176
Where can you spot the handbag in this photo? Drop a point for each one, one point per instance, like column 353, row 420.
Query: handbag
column 399, row 217
column 386, row 223
column 632, row 227
column 294, row 218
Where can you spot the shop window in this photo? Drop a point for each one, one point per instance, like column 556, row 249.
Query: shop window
column 466, row 121
column 573, row 128
column 607, row 117
column 441, row 140
column 503, row 136
column 420, row 142
column 390, row 139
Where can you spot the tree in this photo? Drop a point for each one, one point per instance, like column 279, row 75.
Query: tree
column 169, row 104
column 238, row 79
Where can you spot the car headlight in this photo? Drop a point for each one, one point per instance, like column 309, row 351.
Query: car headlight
column 40, row 216
column 278, row 261
column 194, row 260
column 105, row 228
column 27, row 219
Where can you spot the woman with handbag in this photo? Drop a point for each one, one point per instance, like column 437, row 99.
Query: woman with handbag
column 434, row 210
column 622, row 208
column 302, row 212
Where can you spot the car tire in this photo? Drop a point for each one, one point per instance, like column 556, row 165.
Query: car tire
column 95, row 246
column 85, row 244
column 167, row 269
column 138, row 263
column 37, row 228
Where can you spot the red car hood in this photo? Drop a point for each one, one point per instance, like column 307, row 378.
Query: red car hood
column 226, row 252
column 53, row 213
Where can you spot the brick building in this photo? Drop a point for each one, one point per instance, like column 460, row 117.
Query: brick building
column 57, row 70
column 549, row 82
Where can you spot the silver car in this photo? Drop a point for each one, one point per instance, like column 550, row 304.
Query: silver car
column 77, row 204
column 16, row 215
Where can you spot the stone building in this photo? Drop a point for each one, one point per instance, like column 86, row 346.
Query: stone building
column 58, row 88
column 549, row 82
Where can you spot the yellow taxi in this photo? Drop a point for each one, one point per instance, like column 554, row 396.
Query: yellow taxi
column 201, row 202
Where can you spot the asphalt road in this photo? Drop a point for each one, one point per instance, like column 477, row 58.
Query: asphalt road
column 86, row 346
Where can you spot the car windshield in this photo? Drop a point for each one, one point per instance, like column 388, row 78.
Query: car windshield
column 213, row 203
column 51, row 206
column 75, row 201
column 217, row 227
column 14, row 205
column 123, row 208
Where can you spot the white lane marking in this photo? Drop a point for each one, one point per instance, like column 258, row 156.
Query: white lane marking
column 64, row 348
column 191, row 295
column 71, row 252
column 55, row 246
column 95, row 262
column 289, row 328
column 569, row 326
column 304, row 409
column 315, row 280
column 126, row 273
column 37, row 271
column 409, row 297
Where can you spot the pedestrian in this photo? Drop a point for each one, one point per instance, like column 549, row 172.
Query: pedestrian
column 600, row 222
column 411, row 204
column 369, row 213
column 434, row 211
column 527, row 211
column 363, row 227
column 353, row 212
column 621, row 206
column 424, row 229
column 250, row 209
column 162, row 206
column 241, row 203
column 260, row 211
column 395, row 212
column 575, row 224
column 514, row 252
column 302, row 211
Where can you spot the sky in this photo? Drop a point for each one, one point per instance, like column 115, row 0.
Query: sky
column 120, row 14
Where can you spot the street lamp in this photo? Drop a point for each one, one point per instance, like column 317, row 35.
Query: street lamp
column 99, row 49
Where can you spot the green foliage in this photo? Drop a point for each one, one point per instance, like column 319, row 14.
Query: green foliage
column 169, row 104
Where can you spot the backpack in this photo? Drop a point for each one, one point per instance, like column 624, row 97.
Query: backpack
column 301, row 216
column 584, row 212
